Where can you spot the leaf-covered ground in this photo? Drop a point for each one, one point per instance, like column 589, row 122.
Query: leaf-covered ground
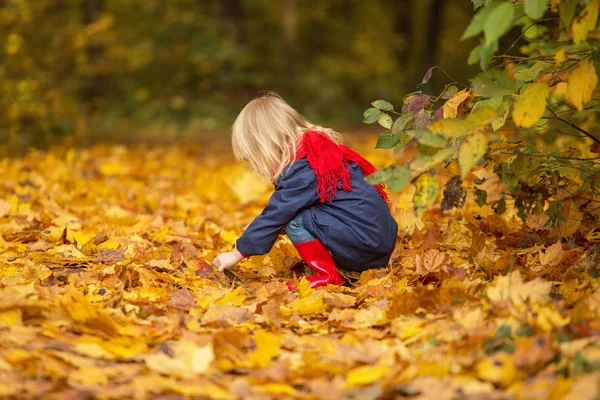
column 107, row 292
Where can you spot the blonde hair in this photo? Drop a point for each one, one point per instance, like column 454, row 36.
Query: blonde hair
column 267, row 133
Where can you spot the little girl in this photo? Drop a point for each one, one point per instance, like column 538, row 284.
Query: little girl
column 322, row 202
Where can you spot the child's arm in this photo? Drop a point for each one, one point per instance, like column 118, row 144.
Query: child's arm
column 294, row 192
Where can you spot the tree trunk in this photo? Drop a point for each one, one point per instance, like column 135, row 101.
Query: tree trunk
column 92, row 87
column 289, row 19
column 424, row 28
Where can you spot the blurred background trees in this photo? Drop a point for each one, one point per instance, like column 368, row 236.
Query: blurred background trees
column 88, row 68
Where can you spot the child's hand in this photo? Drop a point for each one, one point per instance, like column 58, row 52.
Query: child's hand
column 226, row 260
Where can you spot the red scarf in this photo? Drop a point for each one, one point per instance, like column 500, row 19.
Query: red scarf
column 330, row 162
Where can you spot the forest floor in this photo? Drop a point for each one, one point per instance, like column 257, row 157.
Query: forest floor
column 107, row 292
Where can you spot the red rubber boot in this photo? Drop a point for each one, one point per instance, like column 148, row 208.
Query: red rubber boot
column 317, row 257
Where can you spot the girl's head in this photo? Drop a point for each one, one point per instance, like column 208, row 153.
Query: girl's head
column 267, row 133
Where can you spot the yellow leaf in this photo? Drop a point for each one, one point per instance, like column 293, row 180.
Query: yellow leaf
column 553, row 255
column 308, row 305
column 188, row 359
column 498, row 369
column 581, row 84
column 584, row 387
column 234, row 298
column 560, row 56
column 88, row 376
column 109, row 244
column 455, row 127
column 368, row 317
column 304, row 289
column 277, row 389
column 560, row 388
column 471, row 151
column 142, row 294
column 449, row 127
column 426, row 193
column 549, row 319
column 586, row 22
column 560, row 90
column 267, row 348
column 531, row 104
column 8, row 390
column 366, row 375
column 79, row 237
column 439, row 368
column 10, row 317
column 451, row 106
column 81, row 311
column 5, row 207
column 92, row 348
column 480, row 117
column 511, row 290
column 125, row 347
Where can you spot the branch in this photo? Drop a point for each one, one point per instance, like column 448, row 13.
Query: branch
column 572, row 125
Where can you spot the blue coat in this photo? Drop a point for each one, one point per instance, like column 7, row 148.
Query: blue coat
column 356, row 227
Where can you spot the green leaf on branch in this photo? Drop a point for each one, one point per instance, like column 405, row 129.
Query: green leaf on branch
column 395, row 176
column 471, row 151
column 475, row 55
column 494, row 83
column 371, row 115
column 487, row 54
column 385, row 120
column 386, row 141
column 498, row 22
column 532, row 73
column 383, row 105
column 451, row 128
column 399, row 178
column 402, row 121
column 428, row 138
column 478, row 22
column 535, row 9
column 427, row 192
column 566, row 10
column 480, row 3
column 493, row 102
column 424, row 162
column 380, row 176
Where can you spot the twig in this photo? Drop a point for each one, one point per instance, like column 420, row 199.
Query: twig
column 572, row 125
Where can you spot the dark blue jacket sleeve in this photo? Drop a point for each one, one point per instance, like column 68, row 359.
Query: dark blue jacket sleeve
column 295, row 191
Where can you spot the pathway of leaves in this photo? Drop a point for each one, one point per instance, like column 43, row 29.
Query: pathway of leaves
column 106, row 293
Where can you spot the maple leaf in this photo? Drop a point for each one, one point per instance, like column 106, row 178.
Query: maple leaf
column 432, row 261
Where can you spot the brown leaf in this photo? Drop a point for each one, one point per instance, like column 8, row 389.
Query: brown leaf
column 182, row 299
column 431, row 261
column 225, row 315
column 533, row 353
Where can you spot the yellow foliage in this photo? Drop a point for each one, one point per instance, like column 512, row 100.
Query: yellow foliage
column 451, row 106
column 366, row 375
column 471, row 151
column 128, row 306
column 581, row 84
column 531, row 104
column 586, row 22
